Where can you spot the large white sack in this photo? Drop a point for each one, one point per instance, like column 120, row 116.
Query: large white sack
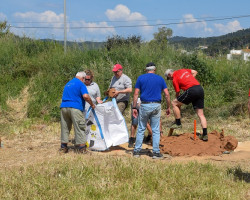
column 106, row 127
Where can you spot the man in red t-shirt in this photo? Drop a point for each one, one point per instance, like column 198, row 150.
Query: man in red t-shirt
column 184, row 79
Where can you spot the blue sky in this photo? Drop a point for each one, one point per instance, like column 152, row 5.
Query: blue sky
column 96, row 20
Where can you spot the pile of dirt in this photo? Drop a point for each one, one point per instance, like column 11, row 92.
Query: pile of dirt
column 185, row 145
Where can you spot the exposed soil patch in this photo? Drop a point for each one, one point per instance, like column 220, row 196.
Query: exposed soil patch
column 185, row 145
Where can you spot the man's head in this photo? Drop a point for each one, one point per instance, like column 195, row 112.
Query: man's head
column 169, row 74
column 117, row 69
column 81, row 76
column 89, row 77
column 150, row 67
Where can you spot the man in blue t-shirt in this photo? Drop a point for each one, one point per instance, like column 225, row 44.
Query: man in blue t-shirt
column 150, row 87
column 75, row 94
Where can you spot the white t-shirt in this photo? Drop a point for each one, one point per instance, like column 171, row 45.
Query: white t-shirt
column 119, row 84
column 94, row 92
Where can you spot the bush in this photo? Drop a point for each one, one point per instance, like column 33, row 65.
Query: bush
column 205, row 72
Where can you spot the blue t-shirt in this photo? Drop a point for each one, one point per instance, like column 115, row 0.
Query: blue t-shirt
column 150, row 86
column 72, row 95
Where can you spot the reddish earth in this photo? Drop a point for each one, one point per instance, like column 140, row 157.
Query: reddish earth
column 185, row 145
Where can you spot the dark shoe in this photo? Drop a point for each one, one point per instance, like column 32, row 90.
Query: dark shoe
column 175, row 126
column 203, row 137
column 73, row 141
column 136, row 154
column 148, row 139
column 81, row 149
column 64, row 150
column 131, row 142
column 157, row 156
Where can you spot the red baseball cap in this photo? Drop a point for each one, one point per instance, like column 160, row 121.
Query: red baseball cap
column 116, row 67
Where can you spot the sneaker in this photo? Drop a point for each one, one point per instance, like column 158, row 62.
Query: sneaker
column 64, row 150
column 157, row 156
column 175, row 126
column 131, row 142
column 136, row 154
column 203, row 137
column 148, row 139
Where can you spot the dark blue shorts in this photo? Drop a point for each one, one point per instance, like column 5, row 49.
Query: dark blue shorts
column 194, row 95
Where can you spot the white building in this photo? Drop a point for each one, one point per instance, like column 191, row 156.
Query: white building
column 243, row 54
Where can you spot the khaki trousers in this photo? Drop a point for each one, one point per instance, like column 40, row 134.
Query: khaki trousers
column 76, row 117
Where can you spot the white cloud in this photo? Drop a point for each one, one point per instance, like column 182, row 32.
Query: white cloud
column 123, row 13
column 87, row 30
column 190, row 21
column 91, row 27
column 56, row 21
column 44, row 19
column 229, row 27
column 120, row 12
column 48, row 17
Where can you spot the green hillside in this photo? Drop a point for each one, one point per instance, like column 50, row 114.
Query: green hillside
column 221, row 44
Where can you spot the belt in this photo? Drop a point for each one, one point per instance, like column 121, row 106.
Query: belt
column 147, row 102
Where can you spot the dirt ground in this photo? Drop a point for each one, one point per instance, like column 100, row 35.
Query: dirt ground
column 189, row 145
column 37, row 148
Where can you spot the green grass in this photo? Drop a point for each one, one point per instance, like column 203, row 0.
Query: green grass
column 104, row 177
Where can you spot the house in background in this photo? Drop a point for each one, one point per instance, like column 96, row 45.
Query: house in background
column 243, row 54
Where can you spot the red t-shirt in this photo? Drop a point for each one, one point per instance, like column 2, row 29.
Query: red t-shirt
column 183, row 79
column 249, row 92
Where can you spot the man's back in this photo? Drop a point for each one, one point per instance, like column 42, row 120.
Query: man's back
column 183, row 79
column 72, row 94
column 150, row 85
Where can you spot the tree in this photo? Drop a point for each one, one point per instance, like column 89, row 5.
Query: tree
column 117, row 41
column 163, row 35
column 4, row 29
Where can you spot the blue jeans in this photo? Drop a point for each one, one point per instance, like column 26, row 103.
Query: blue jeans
column 150, row 112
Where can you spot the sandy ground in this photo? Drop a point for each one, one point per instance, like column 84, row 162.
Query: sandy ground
column 34, row 150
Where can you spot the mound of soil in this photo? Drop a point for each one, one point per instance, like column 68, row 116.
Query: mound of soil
column 185, row 145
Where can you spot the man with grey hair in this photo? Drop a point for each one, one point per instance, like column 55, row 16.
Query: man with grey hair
column 72, row 107
column 193, row 93
column 150, row 87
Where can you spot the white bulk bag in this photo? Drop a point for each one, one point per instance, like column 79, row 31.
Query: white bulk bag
column 106, row 126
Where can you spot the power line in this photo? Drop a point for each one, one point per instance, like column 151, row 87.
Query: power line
column 134, row 26
column 125, row 21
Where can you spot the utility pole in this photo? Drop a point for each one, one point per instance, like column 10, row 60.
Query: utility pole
column 65, row 29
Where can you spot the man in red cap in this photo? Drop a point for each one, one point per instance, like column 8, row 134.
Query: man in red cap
column 123, row 86
column 184, row 79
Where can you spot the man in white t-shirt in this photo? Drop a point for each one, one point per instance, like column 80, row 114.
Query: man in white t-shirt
column 123, row 86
